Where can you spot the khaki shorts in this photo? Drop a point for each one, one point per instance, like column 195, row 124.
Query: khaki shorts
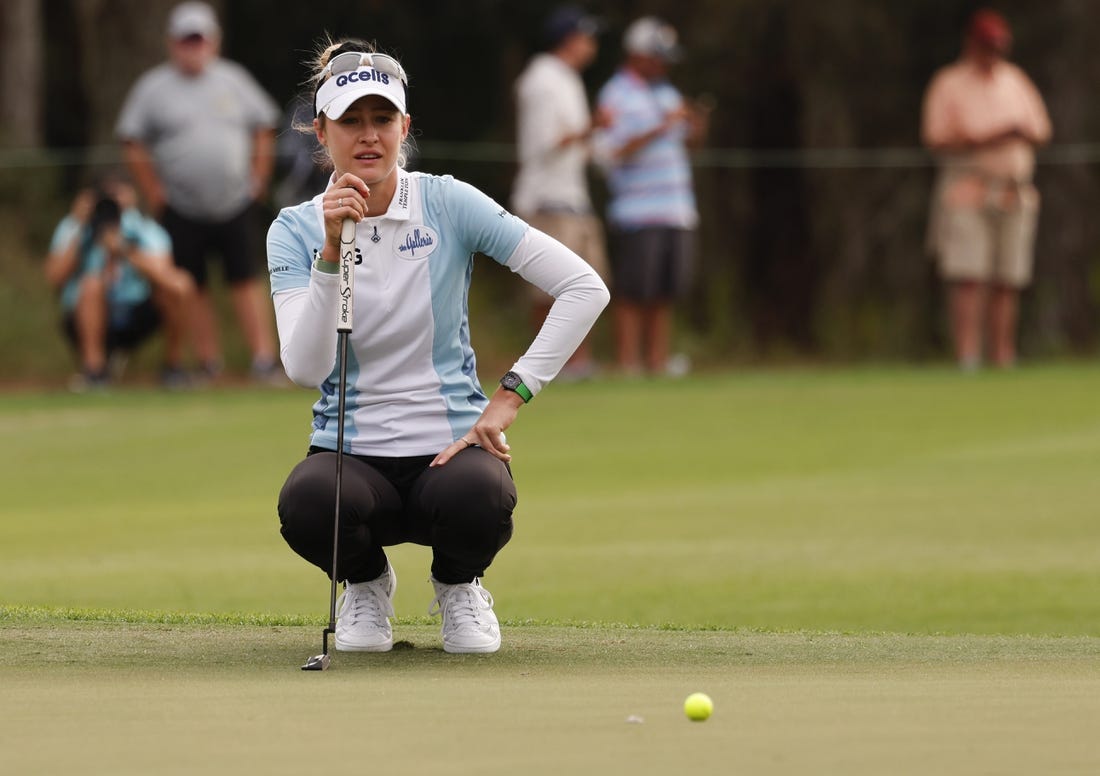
column 988, row 245
column 580, row 233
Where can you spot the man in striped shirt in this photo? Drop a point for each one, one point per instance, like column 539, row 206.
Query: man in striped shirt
column 651, row 214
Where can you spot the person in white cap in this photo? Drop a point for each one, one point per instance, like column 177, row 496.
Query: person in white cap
column 198, row 135
column 426, row 460
column 651, row 214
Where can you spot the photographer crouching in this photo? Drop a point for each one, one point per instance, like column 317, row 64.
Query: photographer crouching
column 112, row 269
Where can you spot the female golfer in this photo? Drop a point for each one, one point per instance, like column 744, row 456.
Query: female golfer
column 426, row 459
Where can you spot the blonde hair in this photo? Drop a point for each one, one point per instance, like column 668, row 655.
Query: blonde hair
column 326, row 48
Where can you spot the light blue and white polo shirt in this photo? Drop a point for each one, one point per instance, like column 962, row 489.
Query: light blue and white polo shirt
column 412, row 378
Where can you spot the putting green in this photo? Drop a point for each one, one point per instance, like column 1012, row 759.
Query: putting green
column 129, row 698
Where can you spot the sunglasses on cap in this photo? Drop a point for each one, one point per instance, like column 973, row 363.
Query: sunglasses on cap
column 353, row 60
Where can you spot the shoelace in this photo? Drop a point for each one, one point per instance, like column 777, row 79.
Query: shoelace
column 368, row 602
column 462, row 605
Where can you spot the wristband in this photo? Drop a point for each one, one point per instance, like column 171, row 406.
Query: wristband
column 328, row 267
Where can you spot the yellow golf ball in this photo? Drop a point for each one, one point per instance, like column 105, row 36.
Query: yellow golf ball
column 698, row 706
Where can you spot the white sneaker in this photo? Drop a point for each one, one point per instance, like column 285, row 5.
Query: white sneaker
column 469, row 625
column 363, row 624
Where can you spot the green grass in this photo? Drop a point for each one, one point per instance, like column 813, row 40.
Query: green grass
column 871, row 571
column 869, row 500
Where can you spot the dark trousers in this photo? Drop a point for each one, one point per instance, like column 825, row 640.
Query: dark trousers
column 462, row 510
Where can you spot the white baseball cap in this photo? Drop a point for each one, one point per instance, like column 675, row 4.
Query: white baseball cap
column 652, row 37
column 357, row 74
column 193, row 18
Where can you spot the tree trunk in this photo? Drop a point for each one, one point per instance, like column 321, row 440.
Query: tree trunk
column 119, row 40
column 20, row 74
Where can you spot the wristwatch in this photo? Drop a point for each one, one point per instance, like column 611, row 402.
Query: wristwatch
column 513, row 382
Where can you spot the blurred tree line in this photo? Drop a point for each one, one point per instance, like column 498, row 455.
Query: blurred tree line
column 813, row 189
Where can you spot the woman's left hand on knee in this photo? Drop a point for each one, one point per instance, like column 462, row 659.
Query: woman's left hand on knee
column 488, row 432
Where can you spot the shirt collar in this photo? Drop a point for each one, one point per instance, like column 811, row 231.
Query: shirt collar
column 400, row 208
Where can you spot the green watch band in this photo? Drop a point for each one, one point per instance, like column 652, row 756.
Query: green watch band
column 513, row 382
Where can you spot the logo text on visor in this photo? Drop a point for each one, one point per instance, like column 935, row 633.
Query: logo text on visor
column 362, row 75
column 340, row 91
column 355, row 74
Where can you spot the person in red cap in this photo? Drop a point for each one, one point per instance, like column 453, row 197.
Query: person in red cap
column 983, row 118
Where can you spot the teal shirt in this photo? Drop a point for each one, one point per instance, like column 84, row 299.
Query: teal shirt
column 128, row 288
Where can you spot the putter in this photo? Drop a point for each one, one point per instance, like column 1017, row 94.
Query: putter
column 343, row 329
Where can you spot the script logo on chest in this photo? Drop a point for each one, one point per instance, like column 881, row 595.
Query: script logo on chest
column 414, row 243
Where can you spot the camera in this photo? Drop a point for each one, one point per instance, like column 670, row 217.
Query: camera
column 105, row 213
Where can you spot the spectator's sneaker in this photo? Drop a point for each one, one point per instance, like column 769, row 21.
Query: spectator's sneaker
column 579, row 372
column 469, row 625
column 970, row 364
column 268, row 373
column 363, row 624
column 89, row 382
column 116, row 364
column 175, row 378
column 678, row 365
column 209, row 371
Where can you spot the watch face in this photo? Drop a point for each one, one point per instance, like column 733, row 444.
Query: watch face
column 511, row 381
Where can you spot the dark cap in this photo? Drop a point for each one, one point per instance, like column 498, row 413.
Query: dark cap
column 565, row 21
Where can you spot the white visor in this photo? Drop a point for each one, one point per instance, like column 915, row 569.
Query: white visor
column 338, row 93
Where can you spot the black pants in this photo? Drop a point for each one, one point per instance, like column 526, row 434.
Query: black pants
column 462, row 510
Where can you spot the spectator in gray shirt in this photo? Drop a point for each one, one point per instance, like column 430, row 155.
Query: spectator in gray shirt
column 198, row 136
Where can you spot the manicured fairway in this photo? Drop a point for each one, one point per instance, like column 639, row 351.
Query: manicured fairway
column 871, row 571
column 886, row 500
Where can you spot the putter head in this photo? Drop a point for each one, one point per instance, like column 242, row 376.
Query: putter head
column 320, row 662
column 316, row 663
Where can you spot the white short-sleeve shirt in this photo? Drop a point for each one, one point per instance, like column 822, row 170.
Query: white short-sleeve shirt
column 551, row 103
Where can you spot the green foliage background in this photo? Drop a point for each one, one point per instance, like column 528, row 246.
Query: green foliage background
column 813, row 189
